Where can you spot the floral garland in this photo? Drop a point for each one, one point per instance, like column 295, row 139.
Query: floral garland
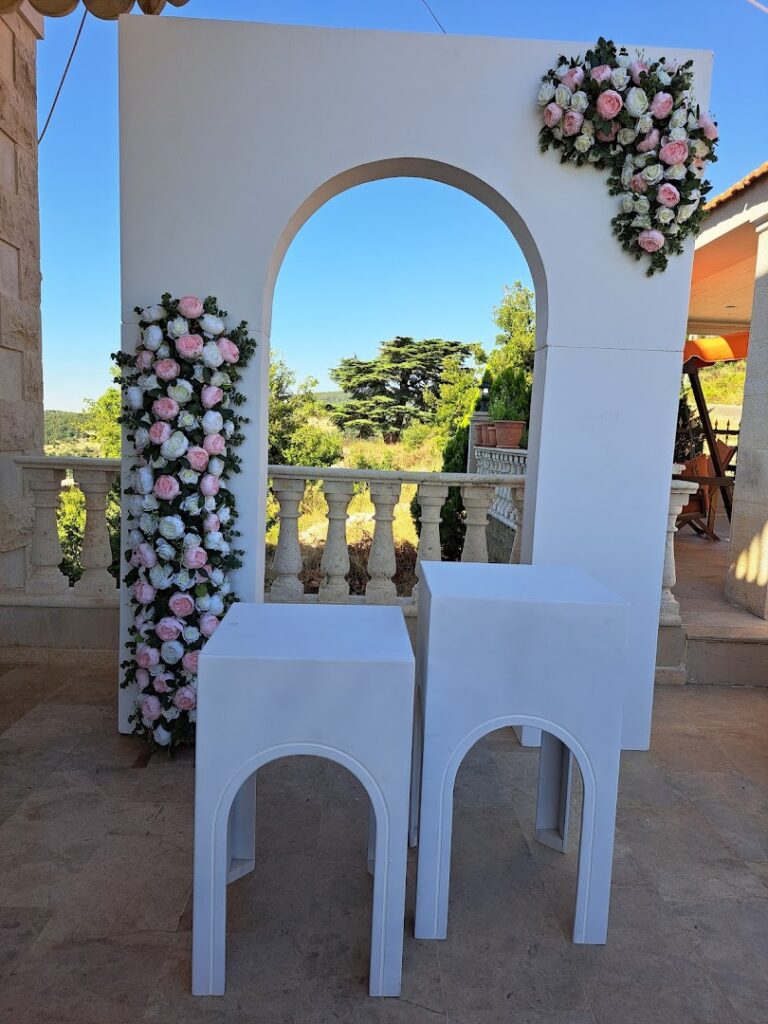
column 640, row 122
column 180, row 397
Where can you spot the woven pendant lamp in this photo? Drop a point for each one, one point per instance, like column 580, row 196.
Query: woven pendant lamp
column 108, row 10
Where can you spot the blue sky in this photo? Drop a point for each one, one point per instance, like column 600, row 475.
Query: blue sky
column 395, row 257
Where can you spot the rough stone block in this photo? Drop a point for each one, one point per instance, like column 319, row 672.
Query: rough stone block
column 26, row 175
column 670, row 649
column 6, row 54
column 747, row 582
column 19, row 324
column 17, row 518
column 21, row 426
column 19, row 222
column 8, row 176
column 9, row 269
column 17, row 119
column 31, row 279
column 11, row 374
column 32, row 390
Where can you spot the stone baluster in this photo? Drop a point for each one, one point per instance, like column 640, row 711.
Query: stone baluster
column 288, row 563
column 680, row 493
column 335, row 560
column 381, row 560
column 517, row 493
column 431, row 498
column 477, row 500
column 96, row 555
column 45, row 577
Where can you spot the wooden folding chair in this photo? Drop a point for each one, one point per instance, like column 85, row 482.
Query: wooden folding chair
column 701, row 511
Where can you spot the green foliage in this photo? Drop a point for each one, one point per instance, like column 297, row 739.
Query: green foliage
column 452, row 525
column 510, row 397
column 101, row 420
column 330, row 398
column 391, row 390
column 456, row 396
column 689, row 436
column 723, row 383
column 61, row 425
column 515, row 317
column 290, row 406
column 311, row 445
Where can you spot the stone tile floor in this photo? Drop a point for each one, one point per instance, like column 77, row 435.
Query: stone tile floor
column 95, row 867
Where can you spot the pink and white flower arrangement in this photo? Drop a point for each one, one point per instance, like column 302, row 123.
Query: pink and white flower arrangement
column 180, row 406
column 638, row 120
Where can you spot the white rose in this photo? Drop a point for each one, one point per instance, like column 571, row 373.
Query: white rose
column 161, row 736
column 134, row 396
column 228, row 428
column 583, row 143
column 148, row 524
column 135, row 506
column 203, row 603
column 149, row 382
column 210, row 324
column 172, row 527
column 676, row 172
column 685, row 212
column 212, row 356
column 171, row 714
column 210, row 504
column 641, row 222
column 557, row 131
column 225, row 513
column 188, row 476
column 579, row 101
column 191, row 634
column 161, row 577
column 198, row 372
column 171, row 652
column 216, row 466
column 693, row 195
column 159, row 462
column 628, row 203
column 216, row 606
column 140, row 439
column 187, row 421
column 164, row 351
column 673, row 228
column 636, row 101
column 563, row 96
column 642, row 159
column 151, row 314
column 135, row 537
column 219, row 379
column 175, row 446
column 642, row 205
column 678, row 135
column 177, row 327
column 217, row 577
column 181, row 391
column 191, row 504
column 587, row 128
column 664, row 215
column 623, row 60
column 192, row 540
column 212, row 422
column 546, row 93
column 143, row 480
column 627, row 172
column 693, row 121
column 152, row 337
column 626, row 136
column 184, row 580
column 653, row 173
column 700, row 148
column 619, row 79
column 698, row 172
column 562, row 69
column 165, row 550
column 213, row 540
column 664, row 77
column 678, row 118
column 149, row 503
column 225, row 587
column 644, row 124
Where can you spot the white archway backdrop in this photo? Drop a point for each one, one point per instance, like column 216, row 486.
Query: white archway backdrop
column 233, row 134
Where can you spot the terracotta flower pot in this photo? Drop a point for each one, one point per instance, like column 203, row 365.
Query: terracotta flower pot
column 509, row 432
column 490, row 435
column 478, row 434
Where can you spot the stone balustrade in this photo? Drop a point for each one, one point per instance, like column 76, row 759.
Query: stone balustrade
column 679, row 496
column 506, row 506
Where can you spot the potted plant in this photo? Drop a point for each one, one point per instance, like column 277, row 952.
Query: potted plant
column 510, row 405
column 489, row 433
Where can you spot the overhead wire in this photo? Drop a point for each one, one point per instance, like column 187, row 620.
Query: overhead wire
column 63, row 77
column 434, row 17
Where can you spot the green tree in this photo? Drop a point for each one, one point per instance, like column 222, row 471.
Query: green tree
column 294, row 440
column 457, row 394
column 515, row 317
column 100, row 422
column 394, row 388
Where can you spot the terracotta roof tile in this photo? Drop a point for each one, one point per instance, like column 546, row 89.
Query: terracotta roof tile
column 739, row 186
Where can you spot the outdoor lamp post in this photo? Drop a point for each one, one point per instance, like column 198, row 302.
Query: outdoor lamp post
column 485, row 391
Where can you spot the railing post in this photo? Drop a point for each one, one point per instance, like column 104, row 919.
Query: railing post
column 517, row 493
column 680, row 493
column 431, row 498
column 335, row 560
column 287, row 563
column 382, row 564
column 45, row 554
column 477, row 500
column 96, row 553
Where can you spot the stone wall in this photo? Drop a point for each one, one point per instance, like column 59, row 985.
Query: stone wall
column 21, row 363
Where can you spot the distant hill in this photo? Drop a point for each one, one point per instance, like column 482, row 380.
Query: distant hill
column 61, row 425
column 331, row 397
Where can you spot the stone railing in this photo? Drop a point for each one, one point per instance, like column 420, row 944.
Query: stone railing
column 504, row 462
column 338, row 485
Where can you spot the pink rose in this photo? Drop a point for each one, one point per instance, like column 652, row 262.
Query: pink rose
column 144, row 555
column 601, row 73
column 208, row 624
column 209, row 485
column 166, row 487
column 649, row 141
column 699, row 163
column 609, row 104
column 211, row 396
column 165, row 408
column 168, row 628
column 552, row 114
column 167, row 369
column 144, row 592
column 185, row 698
column 636, row 68
column 144, row 359
column 160, row 682
column 611, row 134
column 181, row 604
column 189, row 661
column 211, row 523
column 573, row 78
column 661, row 105
column 147, row 657
column 638, row 183
column 572, row 122
column 650, row 240
column 668, row 195
column 709, row 126
column 190, row 307
column 142, row 678
column 189, row 346
column 194, row 558
column 229, row 350
column 197, row 457
column 215, row 444
column 674, row 153
column 159, row 432
column 151, row 709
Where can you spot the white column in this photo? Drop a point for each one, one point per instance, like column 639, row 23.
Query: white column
column 288, row 564
column 747, row 582
column 477, row 500
column 45, row 577
column 669, row 612
column 382, row 564
column 96, row 555
column 431, row 498
column 335, row 560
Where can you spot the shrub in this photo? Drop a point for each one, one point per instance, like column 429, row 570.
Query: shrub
column 510, row 397
column 452, row 526
column 311, row 445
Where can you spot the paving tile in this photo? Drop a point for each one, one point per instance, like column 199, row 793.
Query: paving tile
column 733, row 805
column 19, row 928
